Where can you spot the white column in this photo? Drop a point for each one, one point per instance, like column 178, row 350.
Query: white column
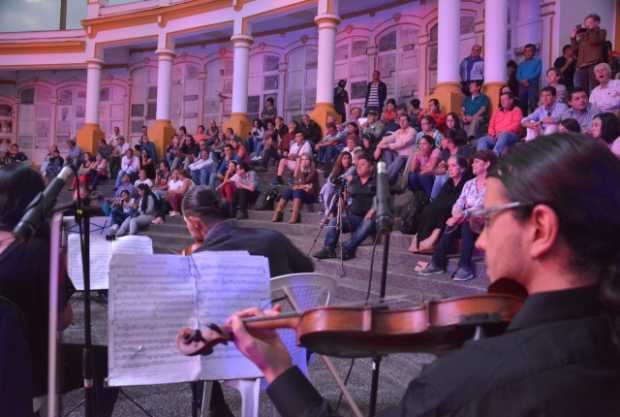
column 449, row 32
column 93, row 90
column 241, row 70
column 327, row 25
column 165, row 57
column 495, row 26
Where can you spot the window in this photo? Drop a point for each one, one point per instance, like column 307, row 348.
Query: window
column 398, row 61
column 264, row 82
column 143, row 100
column 301, row 81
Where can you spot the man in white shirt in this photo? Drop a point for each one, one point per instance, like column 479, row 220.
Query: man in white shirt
column 606, row 96
column 116, row 134
column 201, row 168
column 143, row 179
column 545, row 119
column 396, row 148
column 130, row 165
column 298, row 148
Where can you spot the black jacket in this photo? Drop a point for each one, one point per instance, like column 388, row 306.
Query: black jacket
column 556, row 359
column 284, row 257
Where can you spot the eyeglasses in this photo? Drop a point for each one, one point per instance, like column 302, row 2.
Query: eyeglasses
column 488, row 213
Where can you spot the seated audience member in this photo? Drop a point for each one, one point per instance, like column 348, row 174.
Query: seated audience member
column 246, row 190
column 14, row 155
column 459, row 224
column 355, row 116
column 86, row 170
column 148, row 146
column 433, row 217
column 389, row 114
column 569, row 126
column 122, row 208
column 427, row 126
column 605, row 96
column 173, row 152
column 269, row 112
column 328, row 147
column 553, row 80
column 256, row 136
column 130, row 165
column 189, row 148
column 74, row 153
column 101, row 171
column 213, row 132
column 606, row 128
column 580, row 109
column 368, row 145
column 126, row 185
column 145, row 212
column 566, row 66
column 415, row 113
column 280, row 128
column 201, row 168
column 200, row 135
column 118, row 152
column 475, row 110
column 359, row 219
column 178, row 184
column 528, row 75
column 351, row 144
column 396, row 148
column 342, row 171
column 434, row 111
column 161, row 180
column 423, row 164
column 545, row 119
column 143, row 179
column 104, row 149
column 147, row 164
column 310, row 129
column 53, row 163
column 449, row 148
column 304, row 190
column 299, row 147
column 227, row 186
column 453, row 123
column 503, row 128
column 373, row 126
column 229, row 155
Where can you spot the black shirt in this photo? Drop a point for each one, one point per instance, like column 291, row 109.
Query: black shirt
column 556, row 359
column 568, row 74
column 362, row 195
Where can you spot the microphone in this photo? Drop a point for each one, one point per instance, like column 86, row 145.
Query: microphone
column 385, row 219
column 41, row 206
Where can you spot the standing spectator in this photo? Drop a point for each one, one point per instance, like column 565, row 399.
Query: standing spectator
column 588, row 41
column 580, row 109
column 567, row 65
column 104, row 149
column 146, row 144
column 605, row 96
column 438, row 116
column 545, row 119
column 130, row 165
column 472, row 69
column 553, row 80
column 396, row 148
column 528, row 75
column 269, row 112
column 511, row 74
column 475, row 110
column 359, row 219
column 310, row 129
column 14, row 155
column 341, row 99
column 118, row 152
column 606, row 128
column 74, row 156
column 376, row 93
column 503, row 128
column 246, row 190
column 304, row 191
column 146, row 209
column 116, row 134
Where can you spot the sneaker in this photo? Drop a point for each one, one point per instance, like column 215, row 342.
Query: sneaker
column 463, row 274
column 173, row 213
column 431, row 269
column 325, row 253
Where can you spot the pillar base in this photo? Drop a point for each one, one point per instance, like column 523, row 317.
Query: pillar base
column 161, row 133
column 88, row 137
column 491, row 90
column 450, row 96
column 320, row 113
column 240, row 124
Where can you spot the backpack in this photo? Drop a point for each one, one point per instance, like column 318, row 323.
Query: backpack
column 410, row 216
column 267, row 199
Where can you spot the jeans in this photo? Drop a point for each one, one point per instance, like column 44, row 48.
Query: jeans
column 306, row 198
column 395, row 168
column 328, row 154
column 528, row 96
column 242, row 198
column 468, row 239
column 201, row 176
column 504, row 141
column 440, row 180
column 121, row 174
column 118, row 216
column 418, row 182
column 133, row 224
column 584, row 77
column 359, row 227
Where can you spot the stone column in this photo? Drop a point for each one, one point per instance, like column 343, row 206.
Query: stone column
column 448, row 89
column 495, row 27
column 90, row 134
column 239, row 120
column 161, row 131
column 327, row 25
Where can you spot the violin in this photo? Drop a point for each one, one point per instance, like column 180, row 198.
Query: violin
column 369, row 331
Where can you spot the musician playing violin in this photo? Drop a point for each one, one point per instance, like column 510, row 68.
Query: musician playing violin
column 552, row 225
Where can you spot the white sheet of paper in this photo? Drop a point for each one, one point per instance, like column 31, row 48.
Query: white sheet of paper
column 151, row 298
column 101, row 251
column 227, row 283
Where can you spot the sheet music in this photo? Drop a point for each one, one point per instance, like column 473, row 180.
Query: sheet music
column 228, row 282
column 101, row 251
column 151, row 298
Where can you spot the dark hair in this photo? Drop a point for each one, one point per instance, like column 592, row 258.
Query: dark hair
column 183, row 129
column 477, row 82
column 572, row 125
column 486, row 156
column 19, row 184
column 457, row 120
column 594, row 17
column 434, row 100
column 415, row 103
column 554, row 69
column 258, row 122
column 147, row 194
column 512, row 63
column 269, row 100
column 429, row 119
column 531, row 46
column 510, row 95
column 549, row 89
column 201, row 126
column 566, row 47
column 338, row 169
column 331, row 125
column 576, row 90
column 203, row 202
column 244, row 166
column 390, row 100
column 577, row 178
column 429, row 139
column 457, row 136
column 610, row 127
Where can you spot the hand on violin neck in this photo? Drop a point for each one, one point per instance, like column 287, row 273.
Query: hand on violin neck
column 263, row 347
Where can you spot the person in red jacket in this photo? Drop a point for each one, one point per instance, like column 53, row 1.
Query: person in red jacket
column 504, row 126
